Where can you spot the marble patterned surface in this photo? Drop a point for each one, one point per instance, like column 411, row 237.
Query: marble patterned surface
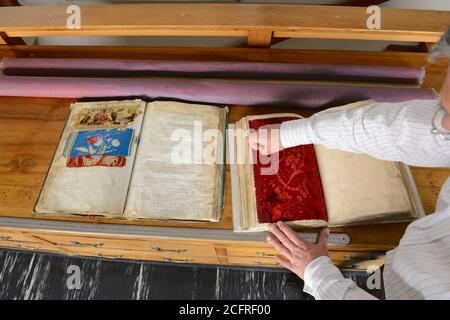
column 25, row 275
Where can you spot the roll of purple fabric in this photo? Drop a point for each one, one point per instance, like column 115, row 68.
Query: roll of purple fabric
column 227, row 92
column 209, row 69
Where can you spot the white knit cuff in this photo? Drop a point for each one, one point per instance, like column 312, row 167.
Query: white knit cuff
column 294, row 133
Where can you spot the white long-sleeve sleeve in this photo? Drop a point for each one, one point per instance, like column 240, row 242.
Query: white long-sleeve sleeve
column 387, row 131
column 325, row 282
column 419, row 267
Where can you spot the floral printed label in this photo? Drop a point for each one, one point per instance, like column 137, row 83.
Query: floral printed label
column 105, row 117
column 113, row 142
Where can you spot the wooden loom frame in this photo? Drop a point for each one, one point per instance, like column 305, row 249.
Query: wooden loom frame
column 262, row 25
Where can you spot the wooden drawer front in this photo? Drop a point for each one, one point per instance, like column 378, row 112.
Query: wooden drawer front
column 136, row 255
column 156, row 246
column 253, row 261
column 6, row 235
column 263, row 252
column 266, row 257
column 29, row 246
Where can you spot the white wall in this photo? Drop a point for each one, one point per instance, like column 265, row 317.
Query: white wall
column 419, row 4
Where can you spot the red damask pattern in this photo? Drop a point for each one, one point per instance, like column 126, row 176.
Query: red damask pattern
column 294, row 192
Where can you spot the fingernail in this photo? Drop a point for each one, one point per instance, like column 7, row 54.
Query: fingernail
column 269, row 238
column 270, row 227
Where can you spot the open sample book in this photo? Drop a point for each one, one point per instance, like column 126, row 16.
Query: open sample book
column 312, row 186
column 134, row 160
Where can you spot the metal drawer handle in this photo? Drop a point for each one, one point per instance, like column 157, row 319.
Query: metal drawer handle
column 263, row 254
column 259, row 263
column 77, row 244
column 5, row 238
column 117, row 256
column 158, row 249
column 178, row 260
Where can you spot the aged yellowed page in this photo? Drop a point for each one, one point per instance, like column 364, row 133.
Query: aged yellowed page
column 361, row 189
column 358, row 187
column 176, row 175
column 84, row 178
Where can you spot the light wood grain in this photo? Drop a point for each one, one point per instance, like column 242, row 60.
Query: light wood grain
column 152, row 245
column 135, row 255
column 259, row 39
column 33, row 246
column 301, row 21
column 429, row 183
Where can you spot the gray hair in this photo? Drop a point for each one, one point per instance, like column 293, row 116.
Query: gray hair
column 441, row 48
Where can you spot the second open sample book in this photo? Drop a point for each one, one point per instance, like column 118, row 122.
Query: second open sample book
column 312, row 186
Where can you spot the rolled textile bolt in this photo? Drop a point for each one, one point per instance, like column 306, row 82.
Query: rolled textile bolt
column 208, row 70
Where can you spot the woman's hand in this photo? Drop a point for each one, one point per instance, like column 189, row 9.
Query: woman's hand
column 295, row 252
column 266, row 139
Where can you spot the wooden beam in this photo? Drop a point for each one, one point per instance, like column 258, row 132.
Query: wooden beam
column 4, row 39
column 259, row 39
column 421, row 47
column 362, row 3
column 283, row 21
column 9, row 3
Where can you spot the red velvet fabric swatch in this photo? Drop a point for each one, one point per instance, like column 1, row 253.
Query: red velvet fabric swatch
column 294, row 191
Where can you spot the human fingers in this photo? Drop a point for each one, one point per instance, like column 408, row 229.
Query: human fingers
column 281, row 248
column 323, row 237
column 292, row 235
column 282, row 238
